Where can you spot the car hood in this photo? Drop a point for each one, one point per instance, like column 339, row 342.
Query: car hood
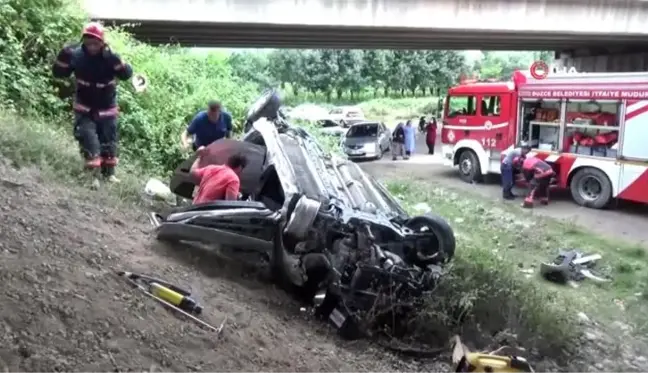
column 351, row 141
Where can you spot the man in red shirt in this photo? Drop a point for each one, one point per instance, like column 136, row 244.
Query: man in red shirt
column 218, row 182
column 539, row 174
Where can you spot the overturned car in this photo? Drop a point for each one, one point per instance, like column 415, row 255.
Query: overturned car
column 329, row 230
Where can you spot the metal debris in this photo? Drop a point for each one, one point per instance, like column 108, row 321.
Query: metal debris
column 571, row 266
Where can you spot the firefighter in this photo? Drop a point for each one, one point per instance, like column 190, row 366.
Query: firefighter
column 510, row 163
column 538, row 173
column 96, row 70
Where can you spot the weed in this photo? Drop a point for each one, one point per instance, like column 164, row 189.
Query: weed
column 518, row 241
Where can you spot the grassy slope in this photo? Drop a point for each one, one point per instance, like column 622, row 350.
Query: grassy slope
column 516, row 242
column 484, row 294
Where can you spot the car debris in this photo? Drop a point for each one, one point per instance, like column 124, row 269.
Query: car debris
column 328, row 229
column 171, row 296
column 499, row 360
column 571, row 266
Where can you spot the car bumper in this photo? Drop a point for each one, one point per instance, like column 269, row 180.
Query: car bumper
column 363, row 155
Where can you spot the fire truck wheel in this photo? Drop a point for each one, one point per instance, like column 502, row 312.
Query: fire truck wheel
column 469, row 169
column 590, row 187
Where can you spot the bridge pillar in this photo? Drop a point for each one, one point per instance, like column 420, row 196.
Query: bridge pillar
column 603, row 60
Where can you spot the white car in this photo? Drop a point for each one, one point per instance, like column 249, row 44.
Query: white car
column 346, row 115
column 309, row 112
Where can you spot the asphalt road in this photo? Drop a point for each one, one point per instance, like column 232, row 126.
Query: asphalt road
column 626, row 221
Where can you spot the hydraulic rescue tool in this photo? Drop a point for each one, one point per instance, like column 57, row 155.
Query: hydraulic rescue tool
column 485, row 362
column 169, row 295
column 476, row 362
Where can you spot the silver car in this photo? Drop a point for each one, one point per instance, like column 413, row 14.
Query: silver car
column 366, row 140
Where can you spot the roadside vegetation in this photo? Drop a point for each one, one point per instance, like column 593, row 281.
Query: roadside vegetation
column 484, row 296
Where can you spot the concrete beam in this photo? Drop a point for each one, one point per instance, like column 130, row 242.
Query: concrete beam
column 592, row 17
column 307, row 36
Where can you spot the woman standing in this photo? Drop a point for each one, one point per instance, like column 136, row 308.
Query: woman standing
column 398, row 139
column 430, row 136
column 410, row 139
column 422, row 124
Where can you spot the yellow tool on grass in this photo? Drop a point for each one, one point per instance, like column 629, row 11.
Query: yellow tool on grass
column 485, row 362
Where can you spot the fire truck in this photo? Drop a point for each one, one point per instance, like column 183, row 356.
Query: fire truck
column 591, row 127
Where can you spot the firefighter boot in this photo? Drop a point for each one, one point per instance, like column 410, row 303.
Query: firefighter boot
column 93, row 167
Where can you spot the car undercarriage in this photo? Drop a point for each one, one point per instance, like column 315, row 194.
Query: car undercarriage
column 327, row 228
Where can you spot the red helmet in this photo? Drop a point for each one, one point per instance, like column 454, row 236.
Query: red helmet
column 94, row 29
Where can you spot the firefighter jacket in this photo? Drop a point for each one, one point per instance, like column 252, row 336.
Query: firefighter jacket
column 96, row 78
column 535, row 168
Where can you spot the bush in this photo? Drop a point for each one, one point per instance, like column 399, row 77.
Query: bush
column 180, row 81
column 32, row 33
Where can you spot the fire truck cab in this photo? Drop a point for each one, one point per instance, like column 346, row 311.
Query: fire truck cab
column 591, row 127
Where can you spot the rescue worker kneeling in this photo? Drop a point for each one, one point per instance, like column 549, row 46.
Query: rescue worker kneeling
column 96, row 69
column 218, row 182
column 538, row 173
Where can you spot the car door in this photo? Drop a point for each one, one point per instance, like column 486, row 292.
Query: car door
column 386, row 136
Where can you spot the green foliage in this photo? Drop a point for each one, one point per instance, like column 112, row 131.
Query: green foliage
column 180, row 83
column 32, row 32
column 351, row 75
column 500, row 65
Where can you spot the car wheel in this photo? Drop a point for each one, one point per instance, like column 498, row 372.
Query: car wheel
column 469, row 168
column 591, row 188
column 443, row 240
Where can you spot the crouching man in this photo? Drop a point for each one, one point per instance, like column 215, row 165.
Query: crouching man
column 96, row 69
column 218, row 182
column 539, row 173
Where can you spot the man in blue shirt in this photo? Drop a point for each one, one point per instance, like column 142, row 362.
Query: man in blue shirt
column 208, row 126
column 511, row 162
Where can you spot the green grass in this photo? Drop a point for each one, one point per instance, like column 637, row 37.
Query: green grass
column 52, row 148
column 499, row 250
column 390, row 110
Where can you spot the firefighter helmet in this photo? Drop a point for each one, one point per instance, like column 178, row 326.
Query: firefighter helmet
column 95, row 30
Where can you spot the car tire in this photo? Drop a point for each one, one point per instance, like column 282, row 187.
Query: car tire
column 443, row 233
column 469, row 168
column 590, row 187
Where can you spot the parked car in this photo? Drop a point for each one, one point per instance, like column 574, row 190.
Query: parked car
column 330, row 127
column 329, row 231
column 366, row 140
column 347, row 115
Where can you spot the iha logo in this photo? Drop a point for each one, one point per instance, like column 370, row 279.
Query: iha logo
column 539, row 70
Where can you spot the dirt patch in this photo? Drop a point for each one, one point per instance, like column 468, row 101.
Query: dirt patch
column 63, row 308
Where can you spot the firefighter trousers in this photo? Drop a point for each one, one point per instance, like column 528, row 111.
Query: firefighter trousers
column 98, row 141
column 539, row 190
column 507, row 180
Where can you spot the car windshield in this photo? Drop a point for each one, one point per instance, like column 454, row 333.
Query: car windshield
column 354, row 114
column 363, row 130
column 336, row 111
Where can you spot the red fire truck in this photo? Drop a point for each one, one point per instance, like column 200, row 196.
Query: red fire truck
column 591, row 127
